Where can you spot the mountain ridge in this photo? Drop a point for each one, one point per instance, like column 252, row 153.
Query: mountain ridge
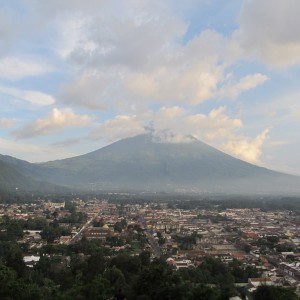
column 11, row 179
column 144, row 162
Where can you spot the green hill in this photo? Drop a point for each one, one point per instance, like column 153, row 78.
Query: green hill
column 12, row 179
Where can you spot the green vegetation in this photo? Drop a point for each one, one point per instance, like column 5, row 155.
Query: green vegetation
column 74, row 217
column 87, row 270
column 186, row 242
column 274, row 293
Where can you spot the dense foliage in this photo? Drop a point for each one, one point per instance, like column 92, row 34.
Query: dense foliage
column 89, row 271
column 274, row 293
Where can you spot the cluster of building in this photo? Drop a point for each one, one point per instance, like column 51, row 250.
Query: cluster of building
column 267, row 240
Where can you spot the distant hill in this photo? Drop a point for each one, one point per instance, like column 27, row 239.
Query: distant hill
column 144, row 163
column 11, row 179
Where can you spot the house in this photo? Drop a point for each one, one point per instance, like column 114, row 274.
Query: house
column 255, row 282
column 100, row 233
column 290, row 270
column 31, row 260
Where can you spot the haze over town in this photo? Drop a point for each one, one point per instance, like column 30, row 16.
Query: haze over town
column 78, row 75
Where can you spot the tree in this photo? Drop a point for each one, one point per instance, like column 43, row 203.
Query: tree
column 118, row 227
column 13, row 257
column 35, row 224
column 13, row 287
column 70, row 206
column 96, row 264
column 145, row 258
column 49, row 234
column 204, row 292
column 247, row 248
column 53, row 231
column 152, row 280
column 161, row 241
column 99, row 289
column 264, row 292
column 7, row 281
column 14, row 230
column 129, row 265
column 240, row 273
column 115, row 277
column 114, row 241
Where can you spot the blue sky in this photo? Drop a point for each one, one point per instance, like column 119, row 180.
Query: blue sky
column 77, row 75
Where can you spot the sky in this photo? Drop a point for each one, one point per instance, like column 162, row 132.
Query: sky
column 76, row 75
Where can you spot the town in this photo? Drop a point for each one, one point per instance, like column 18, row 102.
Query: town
column 260, row 247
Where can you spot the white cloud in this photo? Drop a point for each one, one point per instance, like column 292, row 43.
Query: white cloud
column 33, row 97
column 233, row 90
column 53, row 8
column 173, row 123
column 283, row 109
column 215, row 126
column 117, row 128
column 99, row 34
column 73, row 36
column 7, row 123
column 55, row 121
column 172, row 112
column 91, row 90
column 246, row 148
column 269, row 30
column 190, row 83
column 174, row 74
column 133, row 52
column 14, row 68
column 144, row 61
column 279, row 143
column 7, row 32
column 31, row 152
